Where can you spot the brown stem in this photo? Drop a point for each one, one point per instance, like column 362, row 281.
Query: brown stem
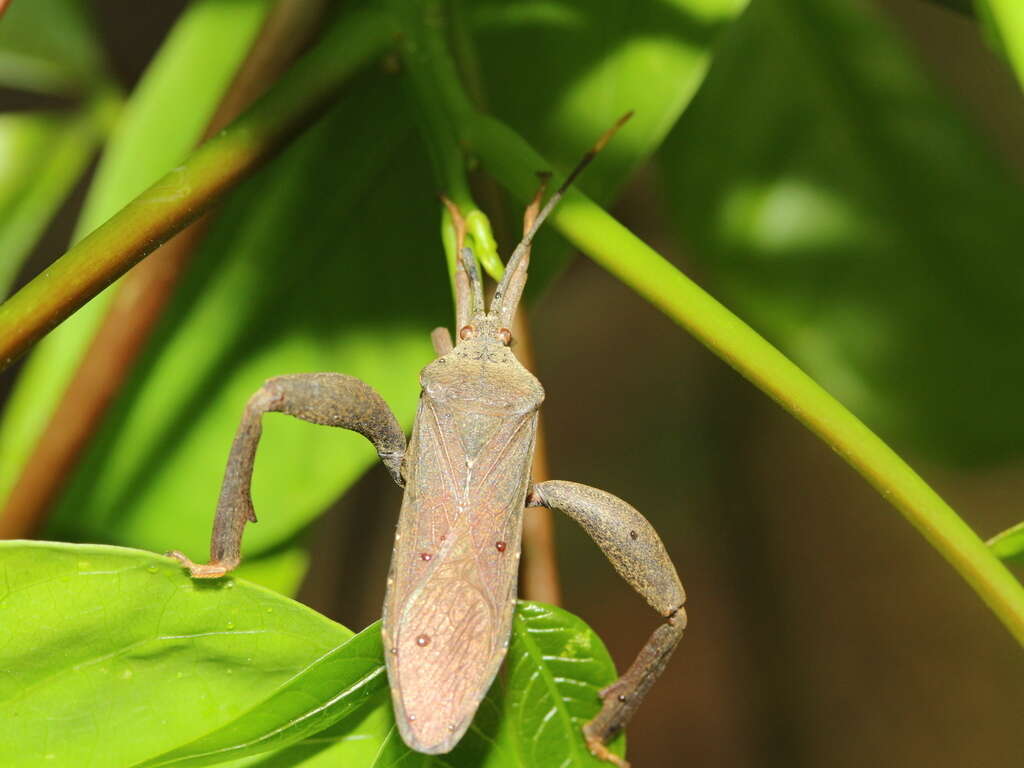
column 538, row 574
column 142, row 295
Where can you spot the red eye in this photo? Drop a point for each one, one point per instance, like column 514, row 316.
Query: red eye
column 466, row 332
column 505, row 335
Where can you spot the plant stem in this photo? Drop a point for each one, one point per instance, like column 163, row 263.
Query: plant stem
column 300, row 96
column 511, row 160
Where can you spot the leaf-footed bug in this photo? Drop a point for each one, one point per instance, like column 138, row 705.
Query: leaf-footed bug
column 466, row 474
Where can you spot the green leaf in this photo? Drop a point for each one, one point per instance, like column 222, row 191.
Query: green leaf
column 649, row 57
column 561, row 72
column 50, row 46
column 556, row 666
column 44, row 155
column 163, row 120
column 322, row 693
column 1003, row 21
column 355, row 741
column 1009, row 545
column 113, row 656
column 849, row 215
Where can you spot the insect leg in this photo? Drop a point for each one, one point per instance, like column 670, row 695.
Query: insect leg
column 332, row 399
column 633, row 547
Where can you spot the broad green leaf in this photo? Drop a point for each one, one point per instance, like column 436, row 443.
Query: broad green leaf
column 162, row 121
column 841, row 206
column 1009, row 545
column 113, row 656
column 355, row 741
column 50, row 46
column 321, row 694
column 1003, row 20
column 561, row 72
column 42, row 155
column 556, row 666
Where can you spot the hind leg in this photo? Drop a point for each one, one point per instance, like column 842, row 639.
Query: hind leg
column 636, row 552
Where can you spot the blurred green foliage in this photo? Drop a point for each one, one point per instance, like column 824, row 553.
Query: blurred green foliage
column 47, row 47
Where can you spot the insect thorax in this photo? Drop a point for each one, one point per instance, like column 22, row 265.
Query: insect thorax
column 482, row 376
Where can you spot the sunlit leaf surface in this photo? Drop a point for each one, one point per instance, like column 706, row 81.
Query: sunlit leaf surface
column 840, row 205
column 111, row 656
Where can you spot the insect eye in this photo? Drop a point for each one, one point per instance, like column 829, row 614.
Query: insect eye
column 505, row 335
column 467, row 332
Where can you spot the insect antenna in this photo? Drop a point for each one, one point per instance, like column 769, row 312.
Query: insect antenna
column 476, row 283
column 510, row 289
column 465, row 291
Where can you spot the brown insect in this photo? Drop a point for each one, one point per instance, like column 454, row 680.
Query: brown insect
column 466, row 473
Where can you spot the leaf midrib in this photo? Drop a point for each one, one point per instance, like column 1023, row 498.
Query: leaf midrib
column 533, row 650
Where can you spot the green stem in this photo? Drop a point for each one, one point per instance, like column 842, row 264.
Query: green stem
column 293, row 103
column 513, row 162
column 439, row 126
column 1009, row 544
